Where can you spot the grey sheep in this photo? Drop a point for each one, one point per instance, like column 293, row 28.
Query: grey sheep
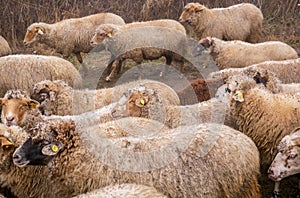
column 239, row 22
column 160, row 38
column 232, row 54
column 57, row 98
column 207, row 160
column 4, row 47
column 23, row 71
column 65, row 37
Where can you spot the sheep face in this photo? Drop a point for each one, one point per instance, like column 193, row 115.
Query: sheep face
column 190, row 13
column 46, row 92
column 15, row 106
column 287, row 160
column 34, row 33
column 206, row 44
column 7, row 146
column 102, row 32
column 47, row 141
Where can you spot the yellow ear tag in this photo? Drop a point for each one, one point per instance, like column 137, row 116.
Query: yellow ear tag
column 142, row 102
column 32, row 105
column 54, row 148
column 109, row 35
column 238, row 96
column 40, row 32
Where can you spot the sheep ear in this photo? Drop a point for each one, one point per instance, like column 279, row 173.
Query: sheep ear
column 1, row 101
column 141, row 102
column 238, row 96
column 5, row 143
column 40, row 31
column 198, row 8
column 33, row 104
column 52, row 149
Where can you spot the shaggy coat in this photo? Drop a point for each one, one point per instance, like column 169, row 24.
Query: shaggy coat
column 23, row 71
column 232, row 54
column 4, row 47
column 238, row 22
column 260, row 114
column 195, row 170
column 57, row 98
column 65, row 37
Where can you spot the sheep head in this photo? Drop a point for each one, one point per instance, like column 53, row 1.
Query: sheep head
column 10, row 139
column 15, row 107
column 206, row 44
column 45, row 92
column 34, row 33
column 47, row 140
column 190, row 13
column 139, row 102
column 287, row 160
column 102, row 32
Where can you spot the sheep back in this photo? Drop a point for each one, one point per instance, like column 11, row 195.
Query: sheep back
column 237, row 22
column 4, row 47
column 23, row 71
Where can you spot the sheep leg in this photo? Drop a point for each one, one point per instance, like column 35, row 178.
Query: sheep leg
column 276, row 192
column 115, row 66
column 168, row 63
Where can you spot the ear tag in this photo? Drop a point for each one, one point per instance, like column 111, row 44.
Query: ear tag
column 238, row 96
column 54, row 148
column 40, row 32
column 142, row 101
column 32, row 104
column 6, row 143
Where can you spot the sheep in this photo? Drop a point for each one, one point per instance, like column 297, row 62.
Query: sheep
column 238, row 22
column 57, row 98
column 22, row 182
column 23, row 71
column 194, row 166
column 4, row 47
column 286, row 162
column 235, row 54
column 124, row 191
column 199, row 90
column 287, row 71
column 260, row 114
column 148, row 104
column 64, row 35
column 161, row 38
column 19, row 109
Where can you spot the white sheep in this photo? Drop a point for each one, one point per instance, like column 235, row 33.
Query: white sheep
column 160, row 38
column 170, row 115
column 238, row 22
column 287, row 71
column 65, row 37
column 234, row 54
column 4, row 47
column 124, row 191
column 207, row 160
column 57, row 98
column 260, row 114
column 23, row 71
column 286, row 162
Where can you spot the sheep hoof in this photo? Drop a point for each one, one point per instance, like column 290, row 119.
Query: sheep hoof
column 276, row 194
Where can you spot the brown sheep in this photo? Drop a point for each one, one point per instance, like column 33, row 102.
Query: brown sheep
column 238, row 22
column 65, row 37
column 234, row 54
column 160, row 38
column 4, row 47
column 23, row 71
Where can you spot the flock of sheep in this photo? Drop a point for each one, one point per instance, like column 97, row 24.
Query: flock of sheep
column 143, row 138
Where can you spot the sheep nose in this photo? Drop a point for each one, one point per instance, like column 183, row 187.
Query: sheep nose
column 270, row 172
column 25, row 43
column 17, row 157
column 10, row 118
